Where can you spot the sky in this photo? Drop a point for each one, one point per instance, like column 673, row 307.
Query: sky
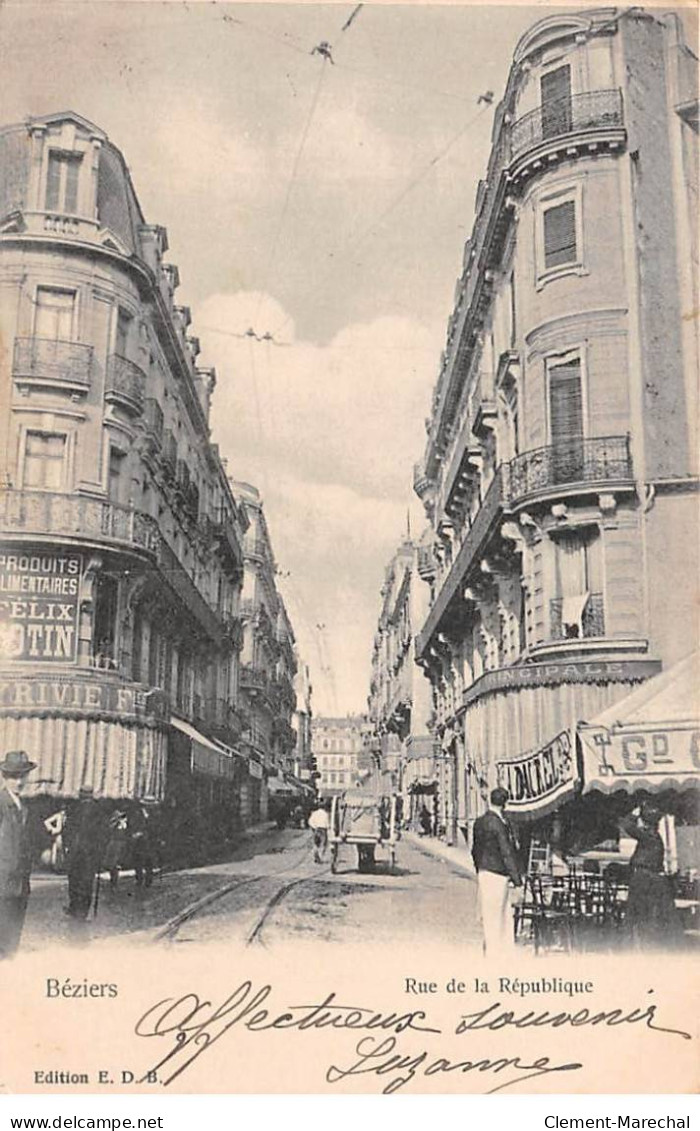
column 324, row 204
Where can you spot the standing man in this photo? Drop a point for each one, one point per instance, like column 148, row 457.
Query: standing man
column 319, row 822
column 15, row 850
column 496, row 862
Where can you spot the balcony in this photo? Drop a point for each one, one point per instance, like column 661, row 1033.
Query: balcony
column 169, row 453
column 571, row 463
column 227, row 540
column 577, row 623
column 44, row 514
column 233, row 627
column 125, row 384
column 190, row 596
column 153, row 420
column 593, row 118
column 252, row 678
column 52, row 363
column 470, row 549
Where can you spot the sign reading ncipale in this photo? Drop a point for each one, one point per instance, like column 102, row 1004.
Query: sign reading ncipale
column 538, row 782
column 39, row 606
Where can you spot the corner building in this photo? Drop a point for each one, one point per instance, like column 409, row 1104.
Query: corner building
column 560, row 474
column 121, row 542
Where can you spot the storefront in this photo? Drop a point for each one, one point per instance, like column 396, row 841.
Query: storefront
column 203, row 794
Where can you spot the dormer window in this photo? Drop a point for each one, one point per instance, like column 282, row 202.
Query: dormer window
column 62, row 182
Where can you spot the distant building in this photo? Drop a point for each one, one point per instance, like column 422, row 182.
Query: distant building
column 400, row 701
column 560, row 474
column 302, row 723
column 342, row 748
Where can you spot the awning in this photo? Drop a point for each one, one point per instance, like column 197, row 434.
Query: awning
column 650, row 740
column 280, row 787
column 540, row 781
column 207, row 757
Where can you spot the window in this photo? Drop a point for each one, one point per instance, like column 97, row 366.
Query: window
column 44, row 461
column 54, row 314
column 62, row 182
column 115, row 475
column 555, row 93
column 566, row 421
column 124, row 320
column 560, row 235
column 105, row 622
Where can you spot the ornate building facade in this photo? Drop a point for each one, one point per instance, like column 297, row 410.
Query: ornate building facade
column 268, row 662
column 341, row 748
column 400, row 701
column 560, row 474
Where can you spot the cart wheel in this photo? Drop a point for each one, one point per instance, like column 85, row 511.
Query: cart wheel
column 334, row 859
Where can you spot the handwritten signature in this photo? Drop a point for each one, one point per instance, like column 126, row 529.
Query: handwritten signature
column 191, row 1025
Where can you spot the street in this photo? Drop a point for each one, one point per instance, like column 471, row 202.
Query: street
column 269, row 893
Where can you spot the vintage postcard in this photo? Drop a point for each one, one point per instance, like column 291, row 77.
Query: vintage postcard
column 349, row 529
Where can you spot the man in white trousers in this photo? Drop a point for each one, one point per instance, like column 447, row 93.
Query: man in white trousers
column 496, row 861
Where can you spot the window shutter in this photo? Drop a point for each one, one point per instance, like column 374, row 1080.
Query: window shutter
column 560, row 235
column 53, row 182
column 565, row 401
column 555, row 92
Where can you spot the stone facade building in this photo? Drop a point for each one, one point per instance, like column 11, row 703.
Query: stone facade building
column 400, row 700
column 341, row 748
column 561, row 466
column 121, row 539
column 268, row 660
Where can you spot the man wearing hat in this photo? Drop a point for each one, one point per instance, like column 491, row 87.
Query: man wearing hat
column 15, row 850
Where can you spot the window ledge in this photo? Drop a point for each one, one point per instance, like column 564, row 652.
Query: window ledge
column 560, row 273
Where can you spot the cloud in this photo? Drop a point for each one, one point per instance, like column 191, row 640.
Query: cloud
column 341, row 425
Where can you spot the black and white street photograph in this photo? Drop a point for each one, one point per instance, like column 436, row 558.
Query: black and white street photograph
column 349, row 468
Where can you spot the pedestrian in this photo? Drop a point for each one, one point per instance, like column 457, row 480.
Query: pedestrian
column 115, row 850
column 142, row 833
column 425, row 821
column 651, row 919
column 319, row 824
column 496, row 861
column 54, row 826
column 15, row 850
column 84, row 840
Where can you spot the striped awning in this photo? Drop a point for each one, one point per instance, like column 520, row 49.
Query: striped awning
column 650, row 741
column 115, row 760
column 206, row 756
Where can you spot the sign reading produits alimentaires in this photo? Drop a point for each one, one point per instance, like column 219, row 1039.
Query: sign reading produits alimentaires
column 538, row 781
column 39, row 607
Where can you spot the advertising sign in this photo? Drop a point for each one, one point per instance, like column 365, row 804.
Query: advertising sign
column 646, row 757
column 39, row 607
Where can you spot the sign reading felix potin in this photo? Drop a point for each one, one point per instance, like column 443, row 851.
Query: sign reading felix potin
column 39, row 607
column 540, row 781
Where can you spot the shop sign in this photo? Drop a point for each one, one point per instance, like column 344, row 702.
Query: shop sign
column 79, row 695
column 539, row 782
column 567, row 671
column 254, row 768
column 642, row 755
column 39, row 607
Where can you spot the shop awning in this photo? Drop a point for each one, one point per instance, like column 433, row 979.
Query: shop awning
column 280, row 787
column 207, row 757
column 650, row 740
column 540, row 781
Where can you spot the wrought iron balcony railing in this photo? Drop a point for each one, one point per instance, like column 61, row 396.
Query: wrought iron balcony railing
column 592, row 110
column 153, row 418
column 600, row 459
column 253, row 678
column 126, row 382
column 590, row 622
column 53, row 361
column 50, row 513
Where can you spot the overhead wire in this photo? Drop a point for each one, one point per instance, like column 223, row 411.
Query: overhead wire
column 355, row 240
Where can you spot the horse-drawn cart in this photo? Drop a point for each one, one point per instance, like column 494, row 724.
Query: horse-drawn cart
column 368, row 820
